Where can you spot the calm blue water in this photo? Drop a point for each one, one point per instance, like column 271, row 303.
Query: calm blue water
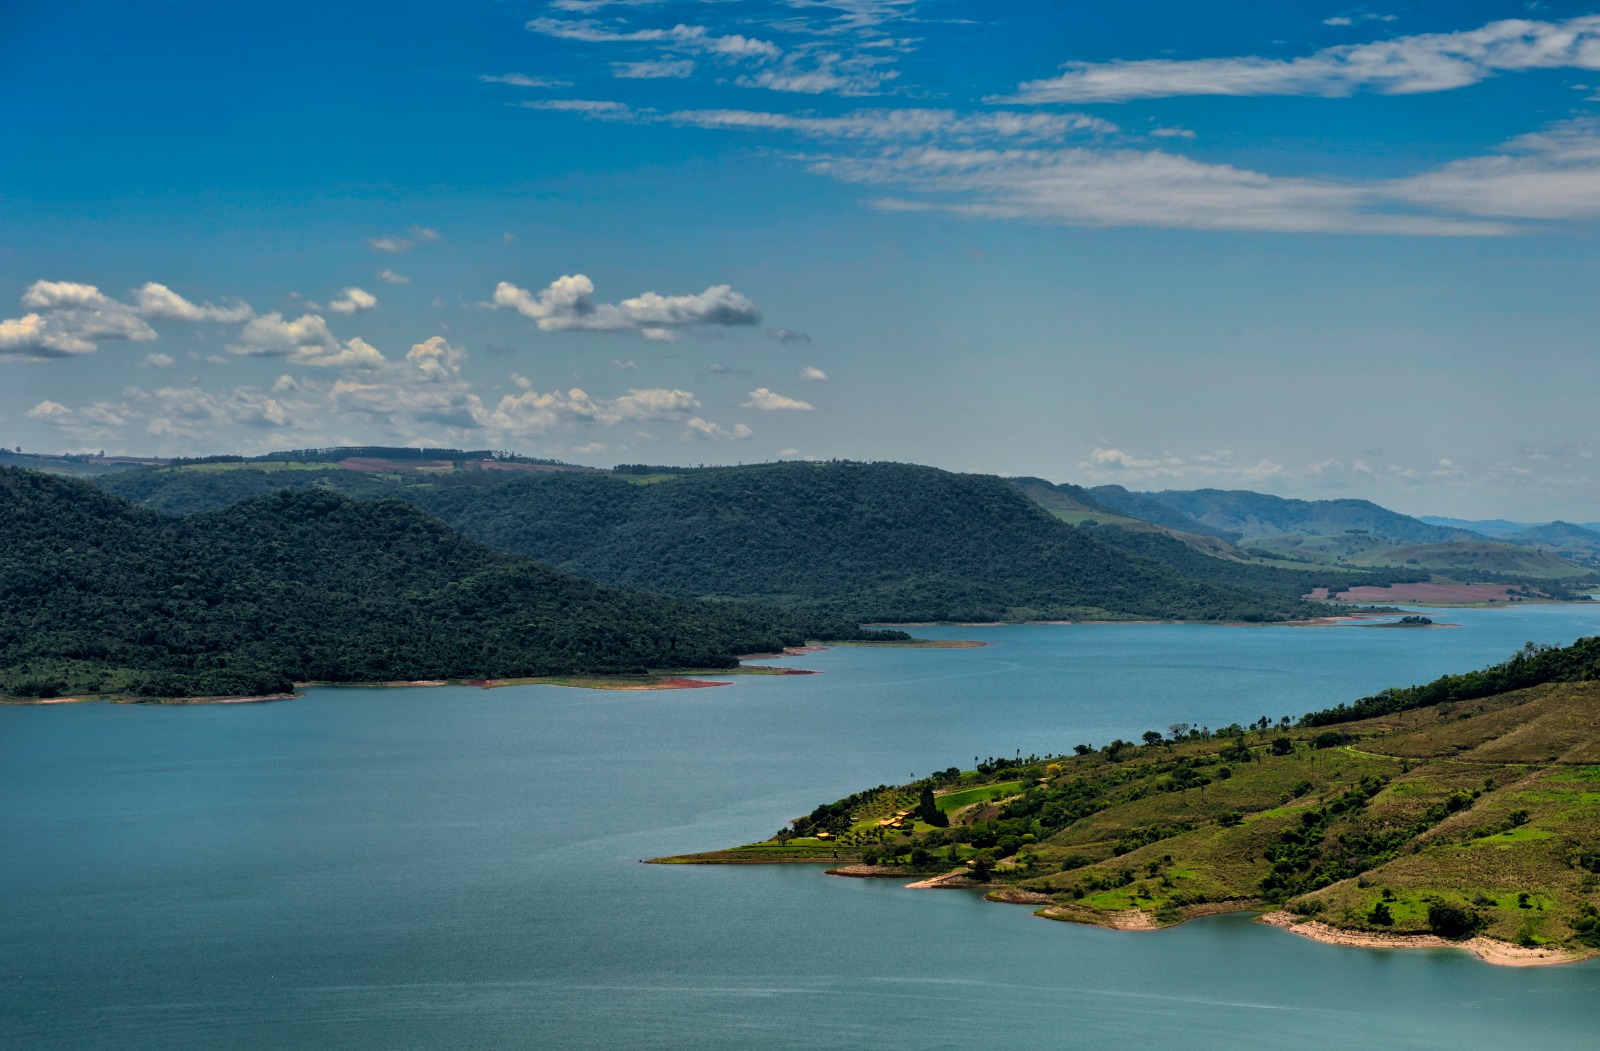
column 452, row 867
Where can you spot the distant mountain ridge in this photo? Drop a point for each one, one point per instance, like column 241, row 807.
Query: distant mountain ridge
column 1258, row 515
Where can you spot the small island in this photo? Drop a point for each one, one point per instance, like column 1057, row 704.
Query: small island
column 1410, row 621
column 1463, row 812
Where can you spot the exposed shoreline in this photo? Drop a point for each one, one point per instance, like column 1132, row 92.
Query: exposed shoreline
column 663, row 681
column 1489, row 950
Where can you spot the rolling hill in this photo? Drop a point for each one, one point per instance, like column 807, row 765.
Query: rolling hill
column 1563, row 539
column 880, row 542
column 97, row 596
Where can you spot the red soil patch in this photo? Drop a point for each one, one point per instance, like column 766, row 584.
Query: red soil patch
column 1423, row 593
column 372, row 463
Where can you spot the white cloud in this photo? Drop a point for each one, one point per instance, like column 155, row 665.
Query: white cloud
column 158, row 301
column 629, row 365
column 764, row 399
column 65, row 295
column 789, row 338
column 437, row 358
column 703, row 430
column 304, row 341
column 566, row 305
column 664, row 69
column 522, row 80
column 390, row 277
column 75, row 319
column 353, row 301
column 158, row 361
column 811, row 372
column 1550, row 175
column 49, row 411
column 1404, row 65
column 1171, row 133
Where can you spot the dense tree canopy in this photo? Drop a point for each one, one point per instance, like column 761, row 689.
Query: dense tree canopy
column 98, row 596
column 877, row 542
column 1530, row 666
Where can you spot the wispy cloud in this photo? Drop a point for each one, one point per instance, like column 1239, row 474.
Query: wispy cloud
column 662, row 69
column 522, row 80
column 1552, row 175
column 1404, row 65
column 876, row 124
column 394, row 244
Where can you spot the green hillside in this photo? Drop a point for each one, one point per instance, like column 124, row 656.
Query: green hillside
column 99, row 597
column 1563, row 539
column 881, row 542
column 1487, row 558
column 1470, row 810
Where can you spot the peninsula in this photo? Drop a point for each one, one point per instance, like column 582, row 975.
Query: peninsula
column 1465, row 811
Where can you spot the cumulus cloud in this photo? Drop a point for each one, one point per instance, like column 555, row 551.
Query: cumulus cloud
column 158, row 301
column 353, row 301
column 566, row 304
column 390, row 277
column 766, row 400
column 789, row 338
column 158, row 361
column 437, row 358
column 703, row 430
column 811, row 372
column 394, row 244
column 303, row 341
column 75, row 319
column 49, row 411
column 1404, row 65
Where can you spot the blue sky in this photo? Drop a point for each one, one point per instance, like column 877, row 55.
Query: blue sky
column 1311, row 249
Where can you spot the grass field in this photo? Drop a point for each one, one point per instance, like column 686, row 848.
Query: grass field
column 1487, row 810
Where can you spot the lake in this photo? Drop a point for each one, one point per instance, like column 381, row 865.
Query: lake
column 453, row 867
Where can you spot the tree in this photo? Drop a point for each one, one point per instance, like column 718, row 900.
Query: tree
column 928, row 809
column 1380, row 915
column 1282, row 746
column 1152, row 737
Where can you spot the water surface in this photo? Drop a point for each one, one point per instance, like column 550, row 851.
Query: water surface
column 454, row 867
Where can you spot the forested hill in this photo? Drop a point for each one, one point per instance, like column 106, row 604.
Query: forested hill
column 868, row 541
column 97, row 596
